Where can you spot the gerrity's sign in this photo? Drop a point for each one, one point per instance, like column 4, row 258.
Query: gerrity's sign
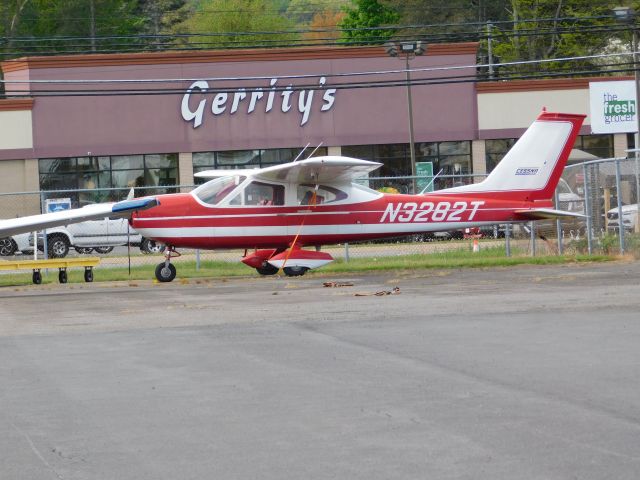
column 260, row 99
column 613, row 107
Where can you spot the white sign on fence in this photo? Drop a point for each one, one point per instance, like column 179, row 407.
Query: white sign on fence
column 613, row 107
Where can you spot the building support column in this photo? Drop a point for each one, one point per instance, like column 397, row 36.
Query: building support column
column 334, row 151
column 620, row 145
column 478, row 159
column 31, row 175
column 185, row 170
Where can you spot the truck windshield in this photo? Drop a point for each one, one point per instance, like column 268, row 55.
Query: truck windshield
column 215, row 191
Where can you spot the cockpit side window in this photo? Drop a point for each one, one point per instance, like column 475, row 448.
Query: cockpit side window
column 215, row 191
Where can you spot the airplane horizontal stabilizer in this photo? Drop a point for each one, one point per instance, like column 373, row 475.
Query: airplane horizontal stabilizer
column 546, row 214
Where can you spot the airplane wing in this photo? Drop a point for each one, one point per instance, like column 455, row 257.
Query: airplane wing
column 219, row 172
column 546, row 214
column 31, row 223
column 317, row 169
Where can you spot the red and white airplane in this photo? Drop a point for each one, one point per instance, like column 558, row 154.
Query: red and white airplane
column 278, row 211
column 281, row 211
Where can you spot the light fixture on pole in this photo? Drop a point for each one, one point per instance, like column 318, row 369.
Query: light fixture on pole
column 627, row 16
column 409, row 50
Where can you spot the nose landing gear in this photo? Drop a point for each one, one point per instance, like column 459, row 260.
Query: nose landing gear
column 166, row 271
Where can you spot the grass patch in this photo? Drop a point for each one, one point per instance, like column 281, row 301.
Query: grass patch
column 462, row 258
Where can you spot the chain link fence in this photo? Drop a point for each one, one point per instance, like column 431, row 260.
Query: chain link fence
column 604, row 191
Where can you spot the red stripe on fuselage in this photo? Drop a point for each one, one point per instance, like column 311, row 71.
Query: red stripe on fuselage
column 424, row 212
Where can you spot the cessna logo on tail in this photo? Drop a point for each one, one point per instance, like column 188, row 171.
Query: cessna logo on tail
column 526, row 171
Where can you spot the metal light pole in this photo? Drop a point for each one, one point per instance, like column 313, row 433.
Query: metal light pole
column 627, row 15
column 412, row 147
column 409, row 50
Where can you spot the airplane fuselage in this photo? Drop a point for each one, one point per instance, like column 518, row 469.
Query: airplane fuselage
column 180, row 221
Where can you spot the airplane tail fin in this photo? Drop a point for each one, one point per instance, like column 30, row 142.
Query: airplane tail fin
column 532, row 168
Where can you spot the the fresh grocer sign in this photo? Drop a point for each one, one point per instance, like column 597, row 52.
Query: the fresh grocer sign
column 613, row 107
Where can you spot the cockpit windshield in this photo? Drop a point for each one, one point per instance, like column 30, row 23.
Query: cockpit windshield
column 215, row 191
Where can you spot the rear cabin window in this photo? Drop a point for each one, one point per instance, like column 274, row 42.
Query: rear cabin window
column 324, row 194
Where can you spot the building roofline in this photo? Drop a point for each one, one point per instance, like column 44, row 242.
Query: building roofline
column 543, row 84
column 10, row 104
column 213, row 56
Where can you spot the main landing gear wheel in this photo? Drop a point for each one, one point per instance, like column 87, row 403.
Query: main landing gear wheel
column 165, row 272
column 295, row 271
column 267, row 269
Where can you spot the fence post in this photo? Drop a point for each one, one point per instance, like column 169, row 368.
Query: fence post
column 533, row 237
column 507, row 238
column 620, row 222
column 637, row 228
column 558, row 223
column 587, row 208
column 197, row 259
column 346, row 252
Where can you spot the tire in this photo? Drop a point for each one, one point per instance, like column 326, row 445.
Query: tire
column 103, row 249
column 151, row 246
column 37, row 278
column 57, row 246
column 7, row 246
column 62, row 276
column 165, row 273
column 88, row 275
column 83, row 250
column 267, row 269
column 295, row 271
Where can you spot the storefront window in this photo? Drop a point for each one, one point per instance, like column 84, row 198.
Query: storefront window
column 453, row 158
column 599, row 145
column 495, row 150
column 100, row 174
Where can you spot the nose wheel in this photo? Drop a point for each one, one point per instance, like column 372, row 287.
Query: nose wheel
column 166, row 271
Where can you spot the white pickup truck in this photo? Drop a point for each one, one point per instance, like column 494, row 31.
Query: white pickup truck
column 99, row 235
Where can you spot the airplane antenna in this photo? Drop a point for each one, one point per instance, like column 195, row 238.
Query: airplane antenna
column 314, row 150
column 301, row 152
column 431, row 182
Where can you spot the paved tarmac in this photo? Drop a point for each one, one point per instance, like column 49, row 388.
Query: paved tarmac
column 523, row 373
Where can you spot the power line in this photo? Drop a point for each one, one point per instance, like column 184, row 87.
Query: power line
column 463, row 78
column 436, row 69
column 325, row 42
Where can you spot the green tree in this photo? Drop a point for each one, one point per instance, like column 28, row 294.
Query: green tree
column 303, row 11
column 235, row 23
column 161, row 15
column 368, row 14
column 435, row 12
column 35, row 26
column 530, row 38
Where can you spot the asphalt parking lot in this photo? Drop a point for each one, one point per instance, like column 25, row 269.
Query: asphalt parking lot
column 528, row 373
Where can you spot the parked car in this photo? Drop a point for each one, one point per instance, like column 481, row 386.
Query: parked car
column 100, row 236
column 15, row 244
column 629, row 218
